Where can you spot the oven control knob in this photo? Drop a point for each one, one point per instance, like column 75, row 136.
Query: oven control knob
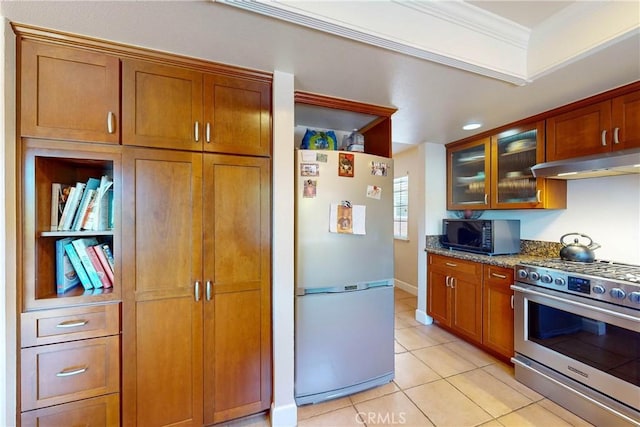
column 522, row 274
column 559, row 281
column 599, row 289
column 617, row 293
column 635, row 297
column 534, row 275
column 546, row 278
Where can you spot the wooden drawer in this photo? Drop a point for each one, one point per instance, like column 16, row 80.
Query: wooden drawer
column 103, row 411
column 61, row 373
column 455, row 267
column 498, row 276
column 69, row 324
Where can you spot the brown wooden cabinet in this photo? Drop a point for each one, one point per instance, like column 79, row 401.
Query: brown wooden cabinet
column 497, row 309
column 194, row 269
column 162, row 305
column 70, row 343
column 473, row 300
column 198, row 269
column 68, row 93
column 181, row 108
column 454, row 294
column 608, row 125
column 372, row 121
column 495, row 172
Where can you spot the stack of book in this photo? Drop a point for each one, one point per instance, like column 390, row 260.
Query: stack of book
column 83, row 206
column 83, row 261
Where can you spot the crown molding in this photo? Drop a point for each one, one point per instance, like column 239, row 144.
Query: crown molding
column 456, row 16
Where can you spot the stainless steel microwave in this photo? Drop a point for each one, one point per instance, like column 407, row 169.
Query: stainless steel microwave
column 485, row 236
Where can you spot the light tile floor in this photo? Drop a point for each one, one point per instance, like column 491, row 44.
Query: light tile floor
column 440, row 381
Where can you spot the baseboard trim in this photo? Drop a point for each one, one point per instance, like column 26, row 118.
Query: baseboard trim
column 413, row 290
column 284, row 415
column 423, row 317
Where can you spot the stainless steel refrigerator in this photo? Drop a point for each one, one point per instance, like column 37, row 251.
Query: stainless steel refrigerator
column 344, row 340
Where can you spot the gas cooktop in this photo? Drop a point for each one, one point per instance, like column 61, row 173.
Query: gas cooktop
column 598, row 268
column 612, row 282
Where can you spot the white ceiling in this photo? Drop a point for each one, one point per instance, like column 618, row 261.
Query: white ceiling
column 433, row 100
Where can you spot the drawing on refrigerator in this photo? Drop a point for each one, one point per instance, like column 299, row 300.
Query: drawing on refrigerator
column 344, row 340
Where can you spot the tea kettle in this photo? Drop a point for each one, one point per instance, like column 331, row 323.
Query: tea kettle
column 577, row 251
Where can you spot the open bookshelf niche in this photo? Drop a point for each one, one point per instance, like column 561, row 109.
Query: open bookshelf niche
column 49, row 279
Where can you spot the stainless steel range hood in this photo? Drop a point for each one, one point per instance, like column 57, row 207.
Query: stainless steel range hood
column 621, row 162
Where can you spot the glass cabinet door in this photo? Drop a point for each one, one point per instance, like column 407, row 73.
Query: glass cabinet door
column 514, row 153
column 469, row 175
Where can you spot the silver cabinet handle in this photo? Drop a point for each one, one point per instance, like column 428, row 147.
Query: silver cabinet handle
column 511, row 302
column 196, row 131
column 110, row 123
column 72, row 323
column 603, row 138
column 71, row 371
column 450, row 264
column 207, row 131
column 616, row 135
column 196, row 290
column 453, row 283
column 208, row 290
column 538, row 196
column 486, row 198
column 499, row 276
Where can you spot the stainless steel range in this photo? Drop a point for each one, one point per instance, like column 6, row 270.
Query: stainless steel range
column 577, row 336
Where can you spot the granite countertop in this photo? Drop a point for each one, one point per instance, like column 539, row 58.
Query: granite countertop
column 530, row 250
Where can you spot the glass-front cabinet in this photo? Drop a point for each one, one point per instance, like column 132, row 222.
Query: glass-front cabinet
column 468, row 175
column 513, row 153
column 494, row 172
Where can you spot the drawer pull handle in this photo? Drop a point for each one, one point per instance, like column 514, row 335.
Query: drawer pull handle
column 450, row 264
column 72, row 323
column 72, row 371
column 499, row 276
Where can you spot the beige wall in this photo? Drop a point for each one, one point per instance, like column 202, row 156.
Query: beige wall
column 410, row 163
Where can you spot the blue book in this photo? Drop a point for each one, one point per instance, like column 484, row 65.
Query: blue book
column 77, row 265
column 90, row 187
column 66, row 276
column 80, row 245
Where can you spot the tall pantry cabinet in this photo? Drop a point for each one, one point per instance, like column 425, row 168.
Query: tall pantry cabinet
column 184, row 336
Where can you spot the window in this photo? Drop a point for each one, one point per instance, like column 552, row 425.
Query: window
column 401, row 207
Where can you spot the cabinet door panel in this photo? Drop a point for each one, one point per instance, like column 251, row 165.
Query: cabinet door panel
column 626, row 117
column 467, row 307
column 162, row 318
column 438, row 305
column 497, row 311
column 237, row 264
column 161, row 105
column 579, row 132
column 238, row 113
column 68, row 93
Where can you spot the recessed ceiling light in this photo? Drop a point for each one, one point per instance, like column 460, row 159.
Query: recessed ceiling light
column 471, row 126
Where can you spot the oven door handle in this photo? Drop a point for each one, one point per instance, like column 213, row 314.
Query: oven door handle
column 575, row 303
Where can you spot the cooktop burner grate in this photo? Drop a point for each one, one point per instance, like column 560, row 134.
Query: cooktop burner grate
column 598, row 268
